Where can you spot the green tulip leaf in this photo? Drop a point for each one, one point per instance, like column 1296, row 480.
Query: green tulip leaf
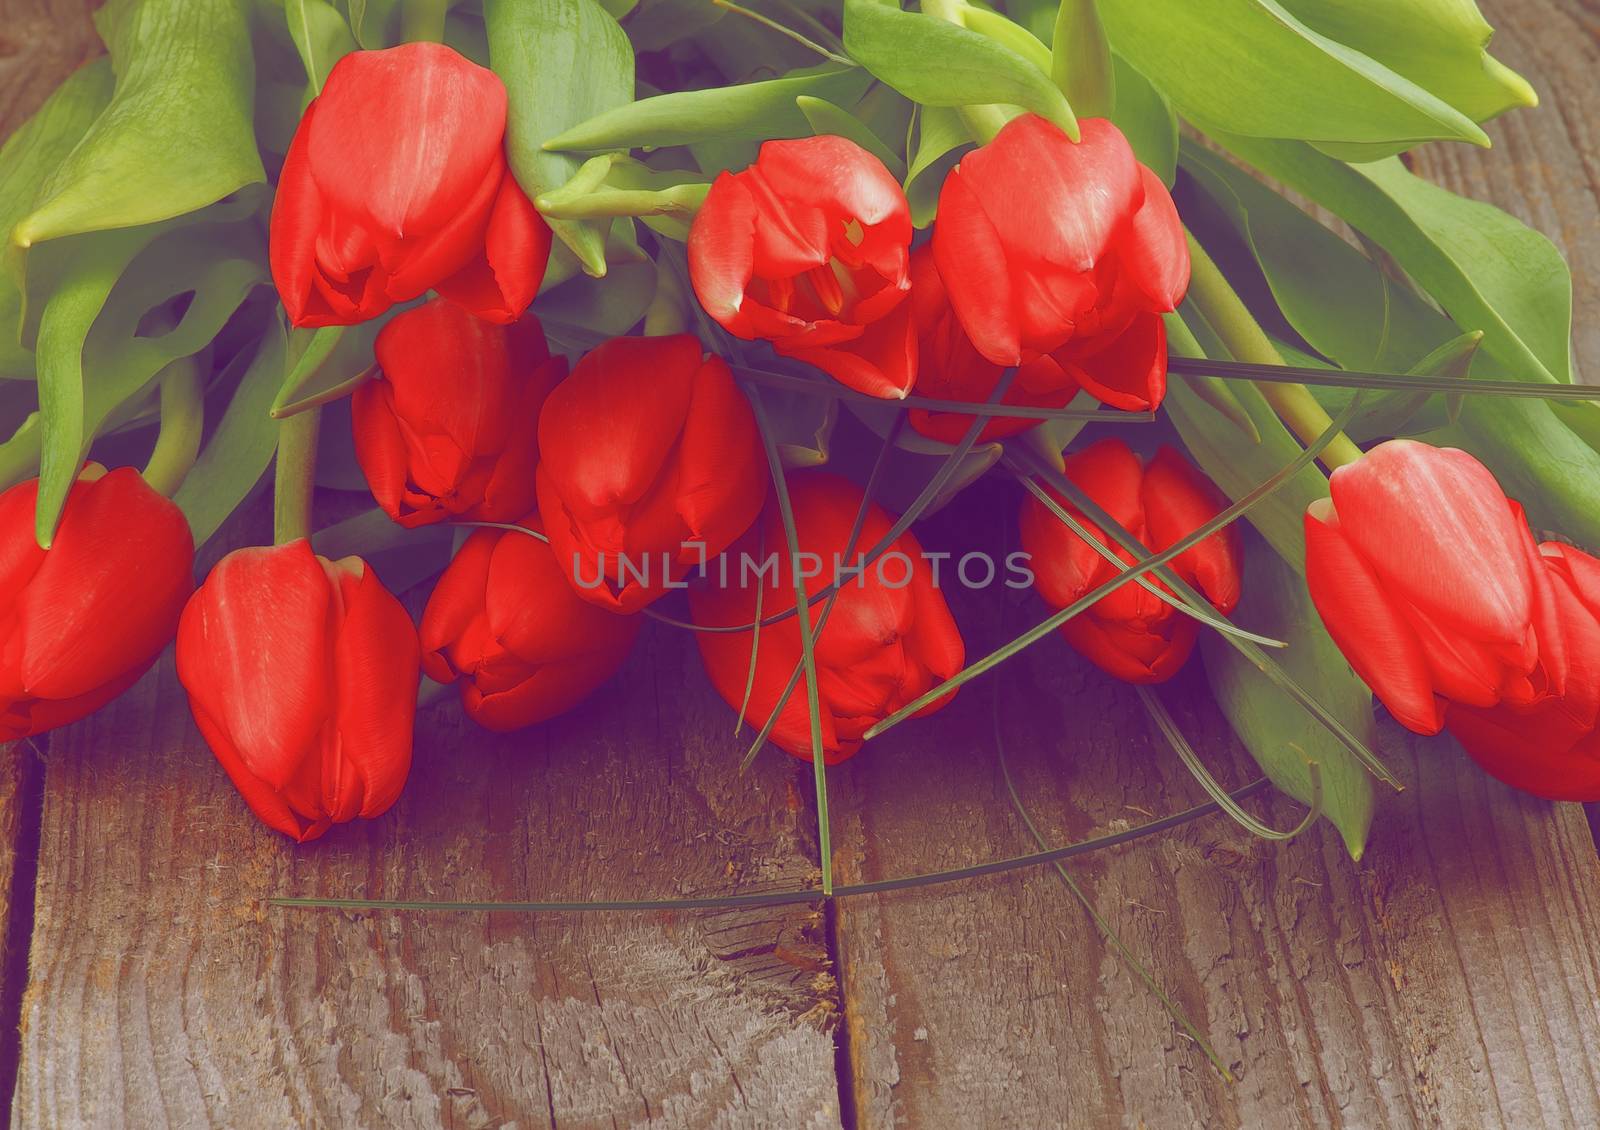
column 1277, row 731
column 99, row 324
column 241, row 446
column 938, row 63
column 752, row 111
column 1251, row 67
column 1441, row 45
column 563, row 61
column 401, row 557
column 826, row 118
column 28, row 157
column 942, row 139
column 610, row 307
column 1488, row 270
column 369, row 21
column 177, row 134
column 1213, row 440
column 1341, row 302
column 320, row 36
column 1080, row 59
column 321, row 360
column 1010, row 34
column 1145, row 116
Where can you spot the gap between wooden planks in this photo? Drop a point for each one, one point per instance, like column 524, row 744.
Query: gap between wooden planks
column 1444, row 980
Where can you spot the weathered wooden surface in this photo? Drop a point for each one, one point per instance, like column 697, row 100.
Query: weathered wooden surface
column 1449, row 979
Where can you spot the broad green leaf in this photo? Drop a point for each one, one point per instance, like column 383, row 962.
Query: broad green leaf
column 177, row 134
column 1277, row 731
column 826, row 118
column 1540, row 461
column 654, row 25
column 938, row 63
column 609, row 307
column 1143, row 113
column 320, row 360
column 942, row 138
column 1010, row 34
column 1488, row 270
column 1441, row 45
column 752, row 111
column 241, row 445
column 1213, row 440
column 563, row 61
column 1080, row 59
column 1250, row 67
column 97, row 326
column 27, row 158
column 369, row 20
column 1335, row 297
column 320, row 35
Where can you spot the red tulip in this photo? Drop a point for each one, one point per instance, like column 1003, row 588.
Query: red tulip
column 807, row 249
column 1428, row 579
column 302, row 676
column 1074, row 250
column 650, row 463
column 504, row 620
column 449, row 426
column 949, row 368
column 889, row 639
column 84, row 619
column 1549, row 748
column 397, row 183
column 1131, row 633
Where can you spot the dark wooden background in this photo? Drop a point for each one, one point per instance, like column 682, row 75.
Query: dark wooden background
column 1452, row 978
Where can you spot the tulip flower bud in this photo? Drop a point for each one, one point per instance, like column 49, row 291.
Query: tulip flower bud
column 506, row 623
column 650, row 463
column 1550, row 747
column 397, row 183
column 448, row 428
column 1075, row 250
column 85, row 618
column 1131, row 633
column 1428, row 579
column 949, row 368
column 808, row 249
column 889, row 639
column 302, row 676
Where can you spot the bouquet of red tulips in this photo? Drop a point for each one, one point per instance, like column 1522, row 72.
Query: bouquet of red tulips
column 608, row 299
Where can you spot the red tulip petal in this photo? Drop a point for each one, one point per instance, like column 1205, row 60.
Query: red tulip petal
column 456, row 603
column 403, row 135
column 721, row 481
column 972, row 263
column 379, row 448
column 1378, row 642
column 263, row 799
column 881, row 362
column 499, row 284
column 1178, row 500
column 375, row 670
column 1129, row 371
column 296, row 223
column 1156, row 259
column 255, row 654
column 722, row 250
column 107, row 597
column 1434, row 525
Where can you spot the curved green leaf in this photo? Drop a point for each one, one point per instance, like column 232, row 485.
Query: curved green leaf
column 752, row 111
column 241, row 446
column 177, row 134
column 938, row 63
column 1251, row 67
column 942, row 138
column 563, row 61
column 826, row 118
column 320, row 35
column 1279, row 734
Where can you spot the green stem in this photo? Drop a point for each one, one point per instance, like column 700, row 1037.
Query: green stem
column 294, row 476
column 1210, row 291
column 183, row 417
column 422, row 21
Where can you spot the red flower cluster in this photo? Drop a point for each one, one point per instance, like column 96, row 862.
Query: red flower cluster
column 1429, row 580
column 885, row 643
column 433, row 205
column 1131, row 633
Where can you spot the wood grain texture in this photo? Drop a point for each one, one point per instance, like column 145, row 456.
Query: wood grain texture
column 164, row 993
column 1450, row 979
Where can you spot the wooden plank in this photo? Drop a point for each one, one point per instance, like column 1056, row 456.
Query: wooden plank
column 162, row 990
column 1452, row 978
column 41, row 41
